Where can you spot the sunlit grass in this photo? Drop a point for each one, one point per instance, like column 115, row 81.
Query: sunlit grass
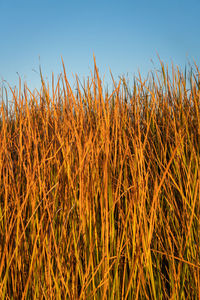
column 99, row 194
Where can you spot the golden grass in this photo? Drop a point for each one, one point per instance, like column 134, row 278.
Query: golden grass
column 99, row 194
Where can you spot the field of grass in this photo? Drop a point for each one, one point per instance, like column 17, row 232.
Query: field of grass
column 100, row 193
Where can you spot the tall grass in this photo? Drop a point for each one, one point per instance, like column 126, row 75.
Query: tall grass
column 99, row 193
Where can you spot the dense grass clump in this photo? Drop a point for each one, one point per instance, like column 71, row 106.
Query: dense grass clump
column 99, row 194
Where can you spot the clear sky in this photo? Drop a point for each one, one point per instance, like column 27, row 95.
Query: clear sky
column 124, row 36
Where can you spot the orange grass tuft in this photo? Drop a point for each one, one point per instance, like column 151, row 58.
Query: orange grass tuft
column 99, row 194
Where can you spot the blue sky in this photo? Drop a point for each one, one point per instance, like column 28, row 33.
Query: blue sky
column 124, row 36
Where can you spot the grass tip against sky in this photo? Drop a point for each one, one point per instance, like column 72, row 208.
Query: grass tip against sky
column 125, row 36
